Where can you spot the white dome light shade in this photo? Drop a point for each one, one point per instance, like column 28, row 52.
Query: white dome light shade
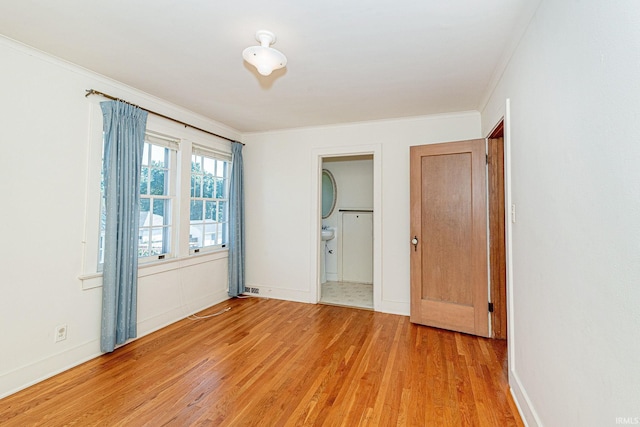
column 265, row 58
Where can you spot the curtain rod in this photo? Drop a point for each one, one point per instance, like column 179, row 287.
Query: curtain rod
column 95, row 92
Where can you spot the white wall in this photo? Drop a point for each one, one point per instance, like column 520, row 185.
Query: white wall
column 354, row 181
column 574, row 89
column 45, row 136
column 279, row 171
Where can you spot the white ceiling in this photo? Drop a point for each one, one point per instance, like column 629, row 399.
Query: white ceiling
column 348, row 60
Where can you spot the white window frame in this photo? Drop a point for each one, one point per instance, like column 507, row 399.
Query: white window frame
column 173, row 146
column 201, row 151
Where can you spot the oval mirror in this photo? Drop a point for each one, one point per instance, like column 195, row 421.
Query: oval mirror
column 329, row 192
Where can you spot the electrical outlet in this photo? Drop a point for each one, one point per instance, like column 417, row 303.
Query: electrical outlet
column 60, row 333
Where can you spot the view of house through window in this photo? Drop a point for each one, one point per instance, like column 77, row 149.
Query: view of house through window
column 209, row 201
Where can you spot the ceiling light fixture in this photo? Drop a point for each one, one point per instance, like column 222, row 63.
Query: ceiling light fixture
column 265, row 58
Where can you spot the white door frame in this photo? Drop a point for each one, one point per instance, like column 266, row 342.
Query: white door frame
column 317, row 157
column 517, row 390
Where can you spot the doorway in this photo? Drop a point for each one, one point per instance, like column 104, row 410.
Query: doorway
column 497, row 232
column 347, row 218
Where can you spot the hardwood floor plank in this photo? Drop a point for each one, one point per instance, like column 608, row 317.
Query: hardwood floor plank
column 280, row 363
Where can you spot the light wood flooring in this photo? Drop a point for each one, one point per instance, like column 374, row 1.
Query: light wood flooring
column 278, row 363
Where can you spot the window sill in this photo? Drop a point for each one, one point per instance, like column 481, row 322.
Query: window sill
column 91, row 281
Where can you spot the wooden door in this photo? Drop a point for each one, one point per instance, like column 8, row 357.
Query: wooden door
column 449, row 283
column 497, row 243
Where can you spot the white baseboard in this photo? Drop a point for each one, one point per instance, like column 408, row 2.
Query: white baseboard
column 33, row 373
column 28, row 375
column 279, row 293
column 394, row 307
column 159, row 321
column 527, row 412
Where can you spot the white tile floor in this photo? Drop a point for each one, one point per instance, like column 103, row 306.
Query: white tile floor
column 348, row 294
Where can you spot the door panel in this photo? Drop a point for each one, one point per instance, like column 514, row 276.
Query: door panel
column 357, row 247
column 449, row 218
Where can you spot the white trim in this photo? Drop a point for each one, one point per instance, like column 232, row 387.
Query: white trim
column 399, row 120
column 91, row 233
column 511, row 340
column 278, row 293
column 91, row 281
column 520, row 396
column 522, row 401
column 317, row 156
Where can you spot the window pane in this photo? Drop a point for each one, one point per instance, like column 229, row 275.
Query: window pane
column 159, row 156
column 196, row 186
column 161, row 211
column 210, row 211
column 210, row 234
column 208, row 186
column 144, row 180
column 196, row 210
column 157, row 182
column 222, row 211
column 219, row 189
column 143, row 242
column 195, row 235
column 166, row 240
column 145, row 208
column 157, row 239
column 221, row 170
column 209, row 165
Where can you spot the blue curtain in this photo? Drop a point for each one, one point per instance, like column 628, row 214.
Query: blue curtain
column 236, row 222
column 124, row 126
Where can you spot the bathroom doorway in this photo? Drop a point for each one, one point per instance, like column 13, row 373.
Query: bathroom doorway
column 347, row 245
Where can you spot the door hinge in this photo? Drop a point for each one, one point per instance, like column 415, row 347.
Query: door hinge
column 490, row 307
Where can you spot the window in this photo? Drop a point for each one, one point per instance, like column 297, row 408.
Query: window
column 156, row 201
column 155, row 226
column 170, row 229
column 209, row 200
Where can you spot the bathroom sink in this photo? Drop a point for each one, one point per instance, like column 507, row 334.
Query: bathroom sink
column 328, row 234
